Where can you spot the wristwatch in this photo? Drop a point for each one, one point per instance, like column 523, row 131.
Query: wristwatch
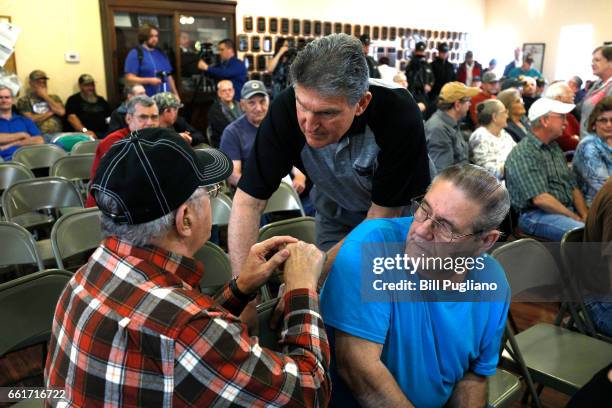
column 84, row 130
column 238, row 293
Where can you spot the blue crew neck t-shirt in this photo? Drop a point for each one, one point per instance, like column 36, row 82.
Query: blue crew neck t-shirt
column 428, row 346
column 238, row 138
column 153, row 62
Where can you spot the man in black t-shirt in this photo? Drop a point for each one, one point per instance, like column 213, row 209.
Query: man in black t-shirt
column 86, row 111
column 361, row 143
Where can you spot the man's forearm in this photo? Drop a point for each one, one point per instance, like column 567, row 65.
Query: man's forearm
column 56, row 107
column 11, row 137
column 75, row 122
column 38, row 117
column 550, row 204
column 580, row 203
column 470, row 392
column 243, row 229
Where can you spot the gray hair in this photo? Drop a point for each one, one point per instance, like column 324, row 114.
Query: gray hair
column 3, row 87
column 129, row 90
column 333, row 65
column 481, row 187
column 141, row 234
column 142, row 100
column 508, row 96
column 556, row 90
column 486, row 109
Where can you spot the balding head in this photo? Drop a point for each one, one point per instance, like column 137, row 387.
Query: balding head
column 560, row 91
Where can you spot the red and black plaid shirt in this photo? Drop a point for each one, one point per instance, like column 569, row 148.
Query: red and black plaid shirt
column 131, row 330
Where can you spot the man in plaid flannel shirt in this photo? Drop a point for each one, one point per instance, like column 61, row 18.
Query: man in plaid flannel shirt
column 132, row 327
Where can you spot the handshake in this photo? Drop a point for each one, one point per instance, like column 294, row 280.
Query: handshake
column 302, row 264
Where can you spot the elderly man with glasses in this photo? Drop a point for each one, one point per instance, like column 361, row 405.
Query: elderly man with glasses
column 403, row 331
column 543, row 189
column 132, row 327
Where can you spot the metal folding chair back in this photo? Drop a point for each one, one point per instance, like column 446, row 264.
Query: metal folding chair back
column 12, row 172
column 85, row 147
column 38, row 156
column 217, row 268
column 27, row 305
column 17, row 246
column 284, row 199
column 37, row 194
column 74, row 234
column 221, row 207
column 302, row 228
column 73, row 167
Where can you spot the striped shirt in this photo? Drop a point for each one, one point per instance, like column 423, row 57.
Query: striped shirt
column 132, row 329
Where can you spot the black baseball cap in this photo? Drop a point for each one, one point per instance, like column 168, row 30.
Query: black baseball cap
column 365, row 39
column 420, row 46
column 152, row 172
column 443, row 47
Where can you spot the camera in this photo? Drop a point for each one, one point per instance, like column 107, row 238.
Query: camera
column 207, row 54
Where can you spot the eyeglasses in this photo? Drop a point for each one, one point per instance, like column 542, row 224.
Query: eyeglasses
column 604, row 121
column 440, row 230
column 144, row 118
column 213, row 189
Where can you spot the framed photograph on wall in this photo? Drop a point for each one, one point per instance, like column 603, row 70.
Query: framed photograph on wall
column 537, row 53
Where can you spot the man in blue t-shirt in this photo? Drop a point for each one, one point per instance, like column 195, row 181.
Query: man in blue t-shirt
column 230, row 67
column 147, row 65
column 15, row 130
column 526, row 69
column 424, row 345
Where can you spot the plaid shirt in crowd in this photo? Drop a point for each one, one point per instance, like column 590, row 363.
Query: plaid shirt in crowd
column 533, row 168
column 131, row 330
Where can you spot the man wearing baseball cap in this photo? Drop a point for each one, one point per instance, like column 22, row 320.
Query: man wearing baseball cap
column 420, row 76
column 488, row 90
column 169, row 105
column 372, row 64
column 86, row 111
column 443, row 71
column 542, row 189
column 132, row 327
column 445, row 142
column 45, row 110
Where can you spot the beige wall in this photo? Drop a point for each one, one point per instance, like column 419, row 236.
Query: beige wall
column 50, row 28
column 514, row 22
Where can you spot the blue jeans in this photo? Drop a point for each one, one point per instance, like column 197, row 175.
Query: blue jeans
column 546, row 225
column 601, row 314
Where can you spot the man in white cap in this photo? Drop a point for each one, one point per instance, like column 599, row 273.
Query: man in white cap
column 542, row 189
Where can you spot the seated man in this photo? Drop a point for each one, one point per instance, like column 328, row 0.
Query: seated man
column 428, row 346
column 86, row 111
column 15, row 130
column 117, row 117
column 169, row 105
column 238, row 138
column 445, row 141
column 141, row 113
column 488, row 89
column 541, row 187
column 132, row 327
column 223, row 111
column 45, row 110
column 525, row 69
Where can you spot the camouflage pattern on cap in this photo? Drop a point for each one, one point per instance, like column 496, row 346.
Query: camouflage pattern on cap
column 38, row 74
column 165, row 100
column 86, row 79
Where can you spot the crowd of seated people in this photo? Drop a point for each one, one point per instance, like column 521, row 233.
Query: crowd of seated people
column 475, row 153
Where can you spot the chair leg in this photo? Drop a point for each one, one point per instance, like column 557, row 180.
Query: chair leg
column 518, row 357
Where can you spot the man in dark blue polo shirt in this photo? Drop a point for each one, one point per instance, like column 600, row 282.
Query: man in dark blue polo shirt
column 15, row 130
column 230, row 67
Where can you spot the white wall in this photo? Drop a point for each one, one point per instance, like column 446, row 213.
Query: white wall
column 511, row 23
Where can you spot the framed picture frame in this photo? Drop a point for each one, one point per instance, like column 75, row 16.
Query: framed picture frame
column 318, row 28
column 11, row 64
column 247, row 23
column 261, row 24
column 273, row 25
column 537, row 53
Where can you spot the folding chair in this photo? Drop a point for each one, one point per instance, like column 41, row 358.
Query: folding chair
column 221, row 207
column 268, row 338
column 10, row 173
column 285, row 198
column 37, row 203
column 77, row 233
column 551, row 355
column 504, row 389
column 27, row 305
column 85, row 147
column 39, row 158
column 76, row 168
column 217, row 268
column 17, row 247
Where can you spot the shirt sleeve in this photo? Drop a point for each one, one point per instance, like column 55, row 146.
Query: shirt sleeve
column 23, row 105
column 234, row 69
column 341, row 303
column 218, row 363
column 591, row 166
column 276, row 149
column 526, row 176
column 132, row 64
column 403, row 166
column 230, row 143
column 485, row 154
column 440, row 148
column 33, row 130
column 72, row 106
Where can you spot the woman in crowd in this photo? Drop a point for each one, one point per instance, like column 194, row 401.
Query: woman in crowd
column 593, row 158
column 490, row 144
column 602, row 68
column 518, row 126
column 278, row 66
